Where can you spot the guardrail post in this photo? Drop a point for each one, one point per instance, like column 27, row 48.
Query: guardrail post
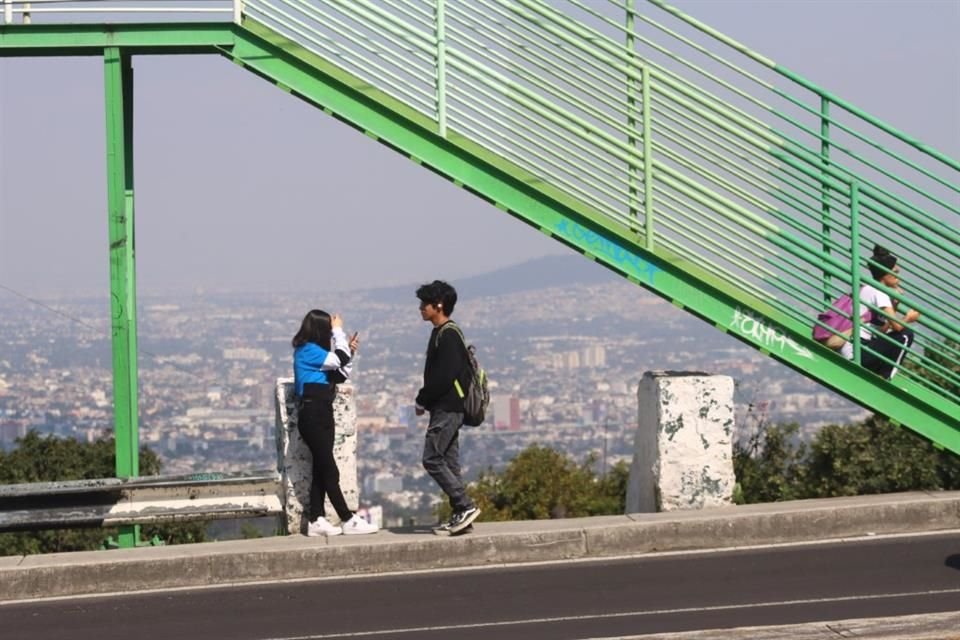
column 824, row 189
column 237, row 11
column 440, row 32
column 118, row 80
column 7, row 11
column 646, row 118
column 855, row 266
column 647, row 158
column 632, row 177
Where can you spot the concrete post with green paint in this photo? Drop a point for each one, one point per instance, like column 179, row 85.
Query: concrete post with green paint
column 295, row 464
column 683, row 451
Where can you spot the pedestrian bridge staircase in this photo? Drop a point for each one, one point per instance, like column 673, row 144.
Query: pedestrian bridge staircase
column 672, row 154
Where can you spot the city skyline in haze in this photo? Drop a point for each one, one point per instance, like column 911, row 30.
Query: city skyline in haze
column 241, row 186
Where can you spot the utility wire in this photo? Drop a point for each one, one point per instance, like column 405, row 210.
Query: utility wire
column 62, row 314
column 48, row 307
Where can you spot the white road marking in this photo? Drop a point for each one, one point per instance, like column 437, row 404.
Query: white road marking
column 625, row 614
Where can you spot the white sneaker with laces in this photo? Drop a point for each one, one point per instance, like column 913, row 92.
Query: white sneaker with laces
column 322, row 527
column 357, row 525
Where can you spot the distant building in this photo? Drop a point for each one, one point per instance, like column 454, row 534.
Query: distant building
column 374, row 423
column 514, row 413
column 406, row 415
column 506, row 412
column 382, row 483
column 591, row 357
column 594, row 356
column 246, row 353
column 10, row 431
column 372, row 514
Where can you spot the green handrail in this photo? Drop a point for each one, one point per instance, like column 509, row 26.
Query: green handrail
column 750, row 184
column 643, row 134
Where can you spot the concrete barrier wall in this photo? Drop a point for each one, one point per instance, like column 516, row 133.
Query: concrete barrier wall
column 683, row 451
column 295, row 464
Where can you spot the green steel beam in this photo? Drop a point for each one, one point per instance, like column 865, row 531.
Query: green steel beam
column 91, row 39
column 512, row 189
column 118, row 100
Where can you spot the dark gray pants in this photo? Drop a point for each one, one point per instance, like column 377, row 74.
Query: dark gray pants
column 441, row 457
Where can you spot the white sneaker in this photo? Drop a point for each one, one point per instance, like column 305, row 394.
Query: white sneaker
column 357, row 525
column 322, row 527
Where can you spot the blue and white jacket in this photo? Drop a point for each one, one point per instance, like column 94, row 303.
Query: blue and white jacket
column 314, row 364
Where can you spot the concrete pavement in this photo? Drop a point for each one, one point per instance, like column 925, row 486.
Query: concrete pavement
column 500, row 543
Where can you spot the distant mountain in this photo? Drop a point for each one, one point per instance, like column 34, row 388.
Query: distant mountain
column 541, row 273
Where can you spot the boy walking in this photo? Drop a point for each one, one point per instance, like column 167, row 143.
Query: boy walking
column 444, row 372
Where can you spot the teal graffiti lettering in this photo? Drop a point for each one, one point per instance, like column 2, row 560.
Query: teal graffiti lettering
column 603, row 247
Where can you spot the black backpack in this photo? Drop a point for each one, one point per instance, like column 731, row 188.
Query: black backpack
column 476, row 399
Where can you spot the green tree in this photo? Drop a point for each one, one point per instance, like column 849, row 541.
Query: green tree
column 542, row 483
column 612, row 490
column 46, row 459
column 770, row 466
column 873, row 456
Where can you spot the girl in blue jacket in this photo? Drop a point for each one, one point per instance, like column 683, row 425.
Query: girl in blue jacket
column 321, row 359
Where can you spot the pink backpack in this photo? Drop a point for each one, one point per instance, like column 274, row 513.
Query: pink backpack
column 840, row 318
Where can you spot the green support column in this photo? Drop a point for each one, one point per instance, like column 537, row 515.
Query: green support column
column 118, row 77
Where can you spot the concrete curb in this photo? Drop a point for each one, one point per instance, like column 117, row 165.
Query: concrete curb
column 299, row 557
column 935, row 626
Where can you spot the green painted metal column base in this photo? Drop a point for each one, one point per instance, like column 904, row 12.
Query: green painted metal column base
column 118, row 80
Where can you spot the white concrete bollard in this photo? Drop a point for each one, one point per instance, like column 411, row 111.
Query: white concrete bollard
column 683, row 452
column 295, row 464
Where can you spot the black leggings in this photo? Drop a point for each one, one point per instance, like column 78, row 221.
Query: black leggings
column 894, row 351
column 316, row 426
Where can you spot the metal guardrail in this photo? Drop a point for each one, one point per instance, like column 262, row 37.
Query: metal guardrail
column 40, row 11
column 113, row 502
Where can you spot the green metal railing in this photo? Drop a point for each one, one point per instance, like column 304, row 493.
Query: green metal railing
column 684, row 137
column 673, row 154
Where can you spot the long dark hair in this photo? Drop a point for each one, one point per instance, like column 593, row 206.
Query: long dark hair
column 315, row 328
column 881, row 262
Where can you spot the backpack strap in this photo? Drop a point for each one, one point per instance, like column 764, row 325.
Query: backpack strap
column 450, row 325
column 454, row 326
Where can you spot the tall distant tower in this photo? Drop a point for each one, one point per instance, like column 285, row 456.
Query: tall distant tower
column 506, row 412
column 514, row 413
column 595, row 356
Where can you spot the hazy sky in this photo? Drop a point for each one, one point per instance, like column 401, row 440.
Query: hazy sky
column 241, row 186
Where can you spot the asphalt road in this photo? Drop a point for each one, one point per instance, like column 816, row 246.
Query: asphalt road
column 649, row 594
